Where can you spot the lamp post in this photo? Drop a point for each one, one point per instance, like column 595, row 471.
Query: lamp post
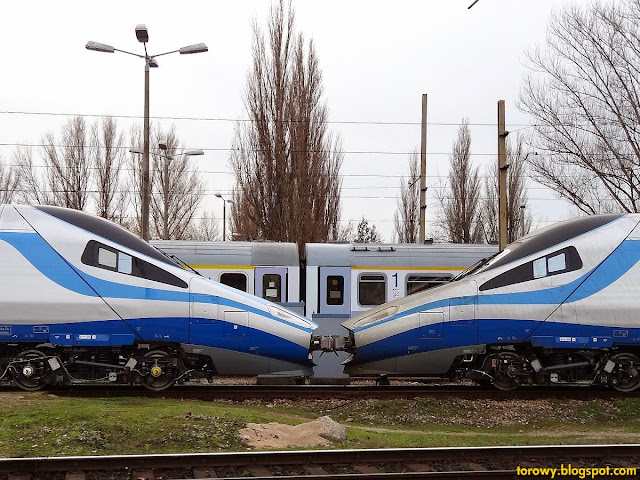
column 224, row 215
column 149, row 61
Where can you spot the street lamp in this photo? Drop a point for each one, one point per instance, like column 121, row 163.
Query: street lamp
column 224, row 215
column 167, row 157
column 142, row 35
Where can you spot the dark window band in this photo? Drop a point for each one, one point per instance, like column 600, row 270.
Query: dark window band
column 525, row 272
column 139, row 267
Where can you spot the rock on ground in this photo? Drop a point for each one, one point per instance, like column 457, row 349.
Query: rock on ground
column 276, row 435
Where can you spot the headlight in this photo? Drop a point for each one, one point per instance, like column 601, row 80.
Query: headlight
column 375, row 316
column 290, row 317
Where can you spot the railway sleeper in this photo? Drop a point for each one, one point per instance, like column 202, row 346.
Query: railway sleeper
column 507, row 367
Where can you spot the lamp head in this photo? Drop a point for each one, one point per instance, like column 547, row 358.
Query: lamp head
column 194, row 152
column 197, row 48
column 141, row 33
column 99, row 47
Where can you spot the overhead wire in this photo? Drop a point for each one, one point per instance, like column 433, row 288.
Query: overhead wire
column 247, row 120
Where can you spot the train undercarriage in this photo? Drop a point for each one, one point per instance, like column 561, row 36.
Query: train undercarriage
column 507, row 367
column 154, row 366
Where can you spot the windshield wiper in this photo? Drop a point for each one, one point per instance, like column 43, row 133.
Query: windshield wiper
column 177, row 261
column 473, row 268
column 183, row 264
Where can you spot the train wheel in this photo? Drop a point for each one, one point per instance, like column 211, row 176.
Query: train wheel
column 30, row 370
column 625, row 376
column 505, row 371
column 161, row 373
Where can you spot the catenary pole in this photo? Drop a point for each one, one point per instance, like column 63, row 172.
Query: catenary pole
column 502, row 177
column 423, row 169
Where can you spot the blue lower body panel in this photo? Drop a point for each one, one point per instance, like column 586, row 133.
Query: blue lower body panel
column 483, row 332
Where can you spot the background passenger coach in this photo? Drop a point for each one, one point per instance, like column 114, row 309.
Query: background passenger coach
column 336, row 280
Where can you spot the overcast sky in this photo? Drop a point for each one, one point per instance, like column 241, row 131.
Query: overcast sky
column 377, row 59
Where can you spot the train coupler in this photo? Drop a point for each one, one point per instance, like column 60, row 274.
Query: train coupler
column 330, row 343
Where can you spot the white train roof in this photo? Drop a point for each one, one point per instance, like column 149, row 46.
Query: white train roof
column 231, row 253
column 402, row 254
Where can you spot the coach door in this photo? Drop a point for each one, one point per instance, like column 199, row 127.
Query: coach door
column 334, row 291
column 271, row 283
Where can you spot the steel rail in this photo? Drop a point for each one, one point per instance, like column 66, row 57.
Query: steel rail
column 318, row 457
column 452, row 475
column 268, row 392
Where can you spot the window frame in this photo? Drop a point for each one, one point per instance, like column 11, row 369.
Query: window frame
column 341, row 281
column 437, row 280
column 244, row 275
column 360, row 282
column 265, row 287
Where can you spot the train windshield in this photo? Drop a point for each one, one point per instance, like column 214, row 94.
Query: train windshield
column 105, row 229
column 545, row 238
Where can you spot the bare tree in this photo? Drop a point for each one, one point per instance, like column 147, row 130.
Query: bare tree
column 111, row 196
column 286, row 163
column 241, row 226
column 185, row 188
column 133, row 164
column 519, row 219
column 68, row 166
column 204, row 229
column 461, row 202
column 32, row 187
column 407, row 217
column 583, row 93
column 9, row 183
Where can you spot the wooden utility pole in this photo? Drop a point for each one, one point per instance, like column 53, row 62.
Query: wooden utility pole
column 423, row 169
column 502, row 178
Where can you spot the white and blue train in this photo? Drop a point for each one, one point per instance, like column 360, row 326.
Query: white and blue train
column 559, row 306
column 82, row 299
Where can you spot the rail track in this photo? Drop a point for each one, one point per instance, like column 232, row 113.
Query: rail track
column 270, row 392
column 430, row 463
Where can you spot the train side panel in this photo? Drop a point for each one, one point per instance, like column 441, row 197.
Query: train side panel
column 572, row 288
column 44, row 299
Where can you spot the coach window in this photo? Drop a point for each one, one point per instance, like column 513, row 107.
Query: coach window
column 271, row 287
column 107, row 258
column 418, row 283
column 235, row 280
column 335, row 290
column 124, row 263
column 557, row 263
column 372, row 290
column 540, row 268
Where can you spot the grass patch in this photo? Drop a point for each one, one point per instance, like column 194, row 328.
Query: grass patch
column 46, row 425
